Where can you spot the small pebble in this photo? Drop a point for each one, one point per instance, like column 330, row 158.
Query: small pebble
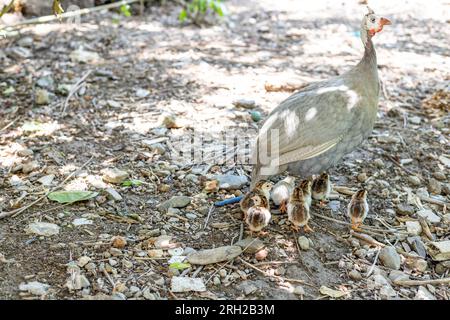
column 379, row 163
column 355, row 275
column 303, row 243
column 414, row 181
column 118, row 242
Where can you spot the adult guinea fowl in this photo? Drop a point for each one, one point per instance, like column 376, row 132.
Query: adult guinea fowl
column 315, row 127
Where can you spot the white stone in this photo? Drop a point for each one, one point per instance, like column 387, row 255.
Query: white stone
column 413, row 227
column 186, row 284
column 81, row 222
column 429, row 215
column 43, row 228
column 36, row 288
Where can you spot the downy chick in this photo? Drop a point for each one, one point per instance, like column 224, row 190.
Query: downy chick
column 262, row 188
column 321, row 188
column 298, row 210
column 281, row 192
column 358, row 208
column 258, row 216
column 306, row 186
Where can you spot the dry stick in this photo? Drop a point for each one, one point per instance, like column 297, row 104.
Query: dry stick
column 75, row 88
column 343, row 190
column 276, row 277
column 275, row 262
column 197, row 271
column 20, row 210
column 241, row 231
column 109, row 278
column 9, row 124
column 426, row 228
column 374, row 263
column 422, row 282
column 70, row 14
column 434, row 201
column 211, row 209
column 367, row 238
column 365, row 228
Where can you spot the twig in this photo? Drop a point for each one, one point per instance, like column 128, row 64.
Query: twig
column 426, row 228
column 275, row 262
column 196, row 272
column 18, row 211
column 173, row 295
column 109, row 278
column 433, row 201
column 69, row 14
column 9, row 124
column 367, row 239
column 422, row 282
column 73, row 90
column 241, row 231
column 374, row 263
column 343, row 190
column 366, row 228
column 211, row 209
column 276, row 277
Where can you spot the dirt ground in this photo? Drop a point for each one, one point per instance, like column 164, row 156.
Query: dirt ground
column 141, row 68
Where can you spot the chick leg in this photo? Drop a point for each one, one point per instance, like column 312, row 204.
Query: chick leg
column 356, row 224
column 263, row 233
column 283, row 206
column 323, row 203
column 295, row 228
column 307, row 228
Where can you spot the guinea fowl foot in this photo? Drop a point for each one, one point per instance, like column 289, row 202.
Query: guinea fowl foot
column 283, row 207
column 262, row 234
column 308, row 229
column 322, row 204
column 356, row 225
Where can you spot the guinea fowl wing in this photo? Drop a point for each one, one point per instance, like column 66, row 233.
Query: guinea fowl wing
column 310, row 122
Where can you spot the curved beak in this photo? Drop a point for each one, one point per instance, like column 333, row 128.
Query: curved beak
column 385, row 22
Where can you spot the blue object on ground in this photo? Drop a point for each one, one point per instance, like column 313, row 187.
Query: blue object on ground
column 228, row 201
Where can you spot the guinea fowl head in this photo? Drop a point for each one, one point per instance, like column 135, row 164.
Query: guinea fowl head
column 257, row 200
column 360, row 194
column 264, row 185
column 297, row 194
column 372, row 24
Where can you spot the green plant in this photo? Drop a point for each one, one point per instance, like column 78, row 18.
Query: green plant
column 125, row 10
column 197, row 10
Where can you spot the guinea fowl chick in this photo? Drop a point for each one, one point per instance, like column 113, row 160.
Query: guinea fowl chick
column 321, row 188
column 358, row 208
column 281, row 192
column 262, row 188
column 306, row 186
column 258, row 216
column 298, row 210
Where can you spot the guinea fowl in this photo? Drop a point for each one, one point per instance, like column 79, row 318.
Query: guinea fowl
column 315, row 127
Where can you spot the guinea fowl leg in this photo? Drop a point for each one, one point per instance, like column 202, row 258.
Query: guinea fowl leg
column 263, row 233
column 356, row 224
column 322, row 203
column 283, row 207
column 307, row 228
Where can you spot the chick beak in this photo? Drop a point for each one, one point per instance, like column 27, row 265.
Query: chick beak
column 385, row 22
